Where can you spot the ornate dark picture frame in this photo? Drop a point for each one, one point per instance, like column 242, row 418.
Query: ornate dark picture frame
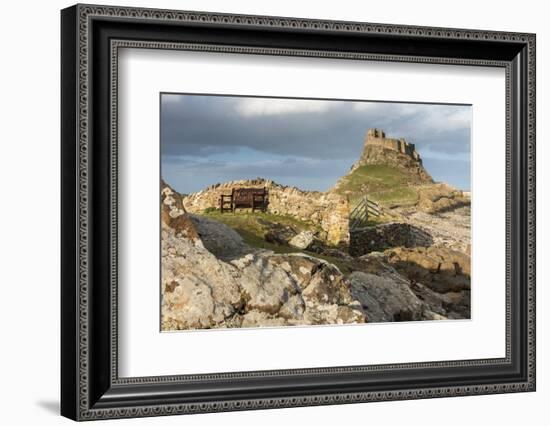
column 90, row 385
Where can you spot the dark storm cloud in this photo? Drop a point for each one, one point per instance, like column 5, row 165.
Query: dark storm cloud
column 204, row 125
column 195, row 174
column 306, row 143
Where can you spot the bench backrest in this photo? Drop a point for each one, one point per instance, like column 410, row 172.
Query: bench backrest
column 245, row 195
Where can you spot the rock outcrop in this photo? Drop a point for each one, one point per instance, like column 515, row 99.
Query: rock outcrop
column 220, row 240
column 386, row 298
column 398, row 153
column 451, row 228
column 439, row 198
column 303, row 240
column 439, row 268
column 389, row 292
column 210, row 279
column 391, row 171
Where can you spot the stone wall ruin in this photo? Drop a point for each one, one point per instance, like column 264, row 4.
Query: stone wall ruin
column 377, row 137
column 327, row 210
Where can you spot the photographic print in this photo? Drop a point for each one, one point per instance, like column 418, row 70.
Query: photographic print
column 295, row 186
column 300, row 212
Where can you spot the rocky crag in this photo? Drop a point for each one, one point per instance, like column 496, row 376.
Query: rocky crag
column 212, row 279
column 379, row 149
column 391, row 172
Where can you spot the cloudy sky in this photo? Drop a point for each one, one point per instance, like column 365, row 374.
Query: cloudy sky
column 300, row 142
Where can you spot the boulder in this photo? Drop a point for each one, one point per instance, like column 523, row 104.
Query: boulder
column 265, row 287
column 172, row 201
column 277, row 233
column 440, row 197
column 303, row 240
column 386, row 298
column 219, row 239
column 436, row 305
column 192, row 292
column 440, row 268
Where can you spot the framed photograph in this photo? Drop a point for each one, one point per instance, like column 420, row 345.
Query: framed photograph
column 263, row 212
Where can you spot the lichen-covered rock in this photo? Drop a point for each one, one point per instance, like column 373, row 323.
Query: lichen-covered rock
column 434, row 304
column 210, row 279
column 386, row 298
column 198, row 290
column 262, row 319
column 219, row 239
column 265, row 287
column 171, row 200
column 440, row 197
column 303, row 240
column 293, row 308
column 440, row 268
column 172, row 213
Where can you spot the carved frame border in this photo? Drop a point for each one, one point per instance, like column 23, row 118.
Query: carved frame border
column 85, row 14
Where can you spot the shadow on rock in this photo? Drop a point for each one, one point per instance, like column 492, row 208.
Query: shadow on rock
column 401, row 284
column 439, row 268
column 219, row 239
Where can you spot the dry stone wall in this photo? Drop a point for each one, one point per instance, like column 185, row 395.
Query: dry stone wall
column 329, row 211
column 381, row 237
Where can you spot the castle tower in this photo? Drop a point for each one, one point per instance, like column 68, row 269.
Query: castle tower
column 375, row 134
column 377, row 137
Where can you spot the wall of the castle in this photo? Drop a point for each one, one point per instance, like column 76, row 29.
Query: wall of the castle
column 377, row 137
column 389, row 143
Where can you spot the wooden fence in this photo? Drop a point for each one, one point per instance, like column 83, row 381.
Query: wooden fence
column 359, row 216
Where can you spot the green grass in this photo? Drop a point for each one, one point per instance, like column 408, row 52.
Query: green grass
column 257, row 222
column 383, row 184
column 252, row 239
column 252, row 227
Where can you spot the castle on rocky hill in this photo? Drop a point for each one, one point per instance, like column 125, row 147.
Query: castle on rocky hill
column 392, row 152
column 377, row 137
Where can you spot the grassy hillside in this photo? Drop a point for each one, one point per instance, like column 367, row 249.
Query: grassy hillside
column 253, row 228
column 384, row 184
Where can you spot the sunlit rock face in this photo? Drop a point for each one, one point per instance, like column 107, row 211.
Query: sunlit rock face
column 213, row 282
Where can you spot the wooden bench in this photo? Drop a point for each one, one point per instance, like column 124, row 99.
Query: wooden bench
column 252, row 198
